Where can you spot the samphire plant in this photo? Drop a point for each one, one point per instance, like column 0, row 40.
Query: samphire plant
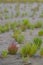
column 4, row 53
column 25, row 24
column 41, row 52
column 16, row 34
column 20, row 38
column 12, row 49
column 5, row 10
column 38, row 24
column 6, row 16
column 6, row 27
column 37, row 41
column 23, row 51
column 32, row 26
column 19, row 23
column 23, row 27
column 2, row 29
column 33, row 50
column 13, row 25
column 40, row 33
column 28, row 50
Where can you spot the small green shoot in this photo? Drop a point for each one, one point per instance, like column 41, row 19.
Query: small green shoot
column 4, row 53
column 40, row 33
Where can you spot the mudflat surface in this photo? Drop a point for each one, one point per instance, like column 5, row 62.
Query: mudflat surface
column 6, row 38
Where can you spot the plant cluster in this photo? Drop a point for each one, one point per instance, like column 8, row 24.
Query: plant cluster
column 37, row 41
column 28, row 49
column 6, row 16
column 25, row 24
column 38, row 24
column 4, row 28
column 13, row 25
column 40, row 33
column 18, row 36
column 16, row 33
column 5, row 10
column 12, row 49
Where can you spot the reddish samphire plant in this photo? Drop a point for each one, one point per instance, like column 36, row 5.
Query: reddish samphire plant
column 12, row 49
